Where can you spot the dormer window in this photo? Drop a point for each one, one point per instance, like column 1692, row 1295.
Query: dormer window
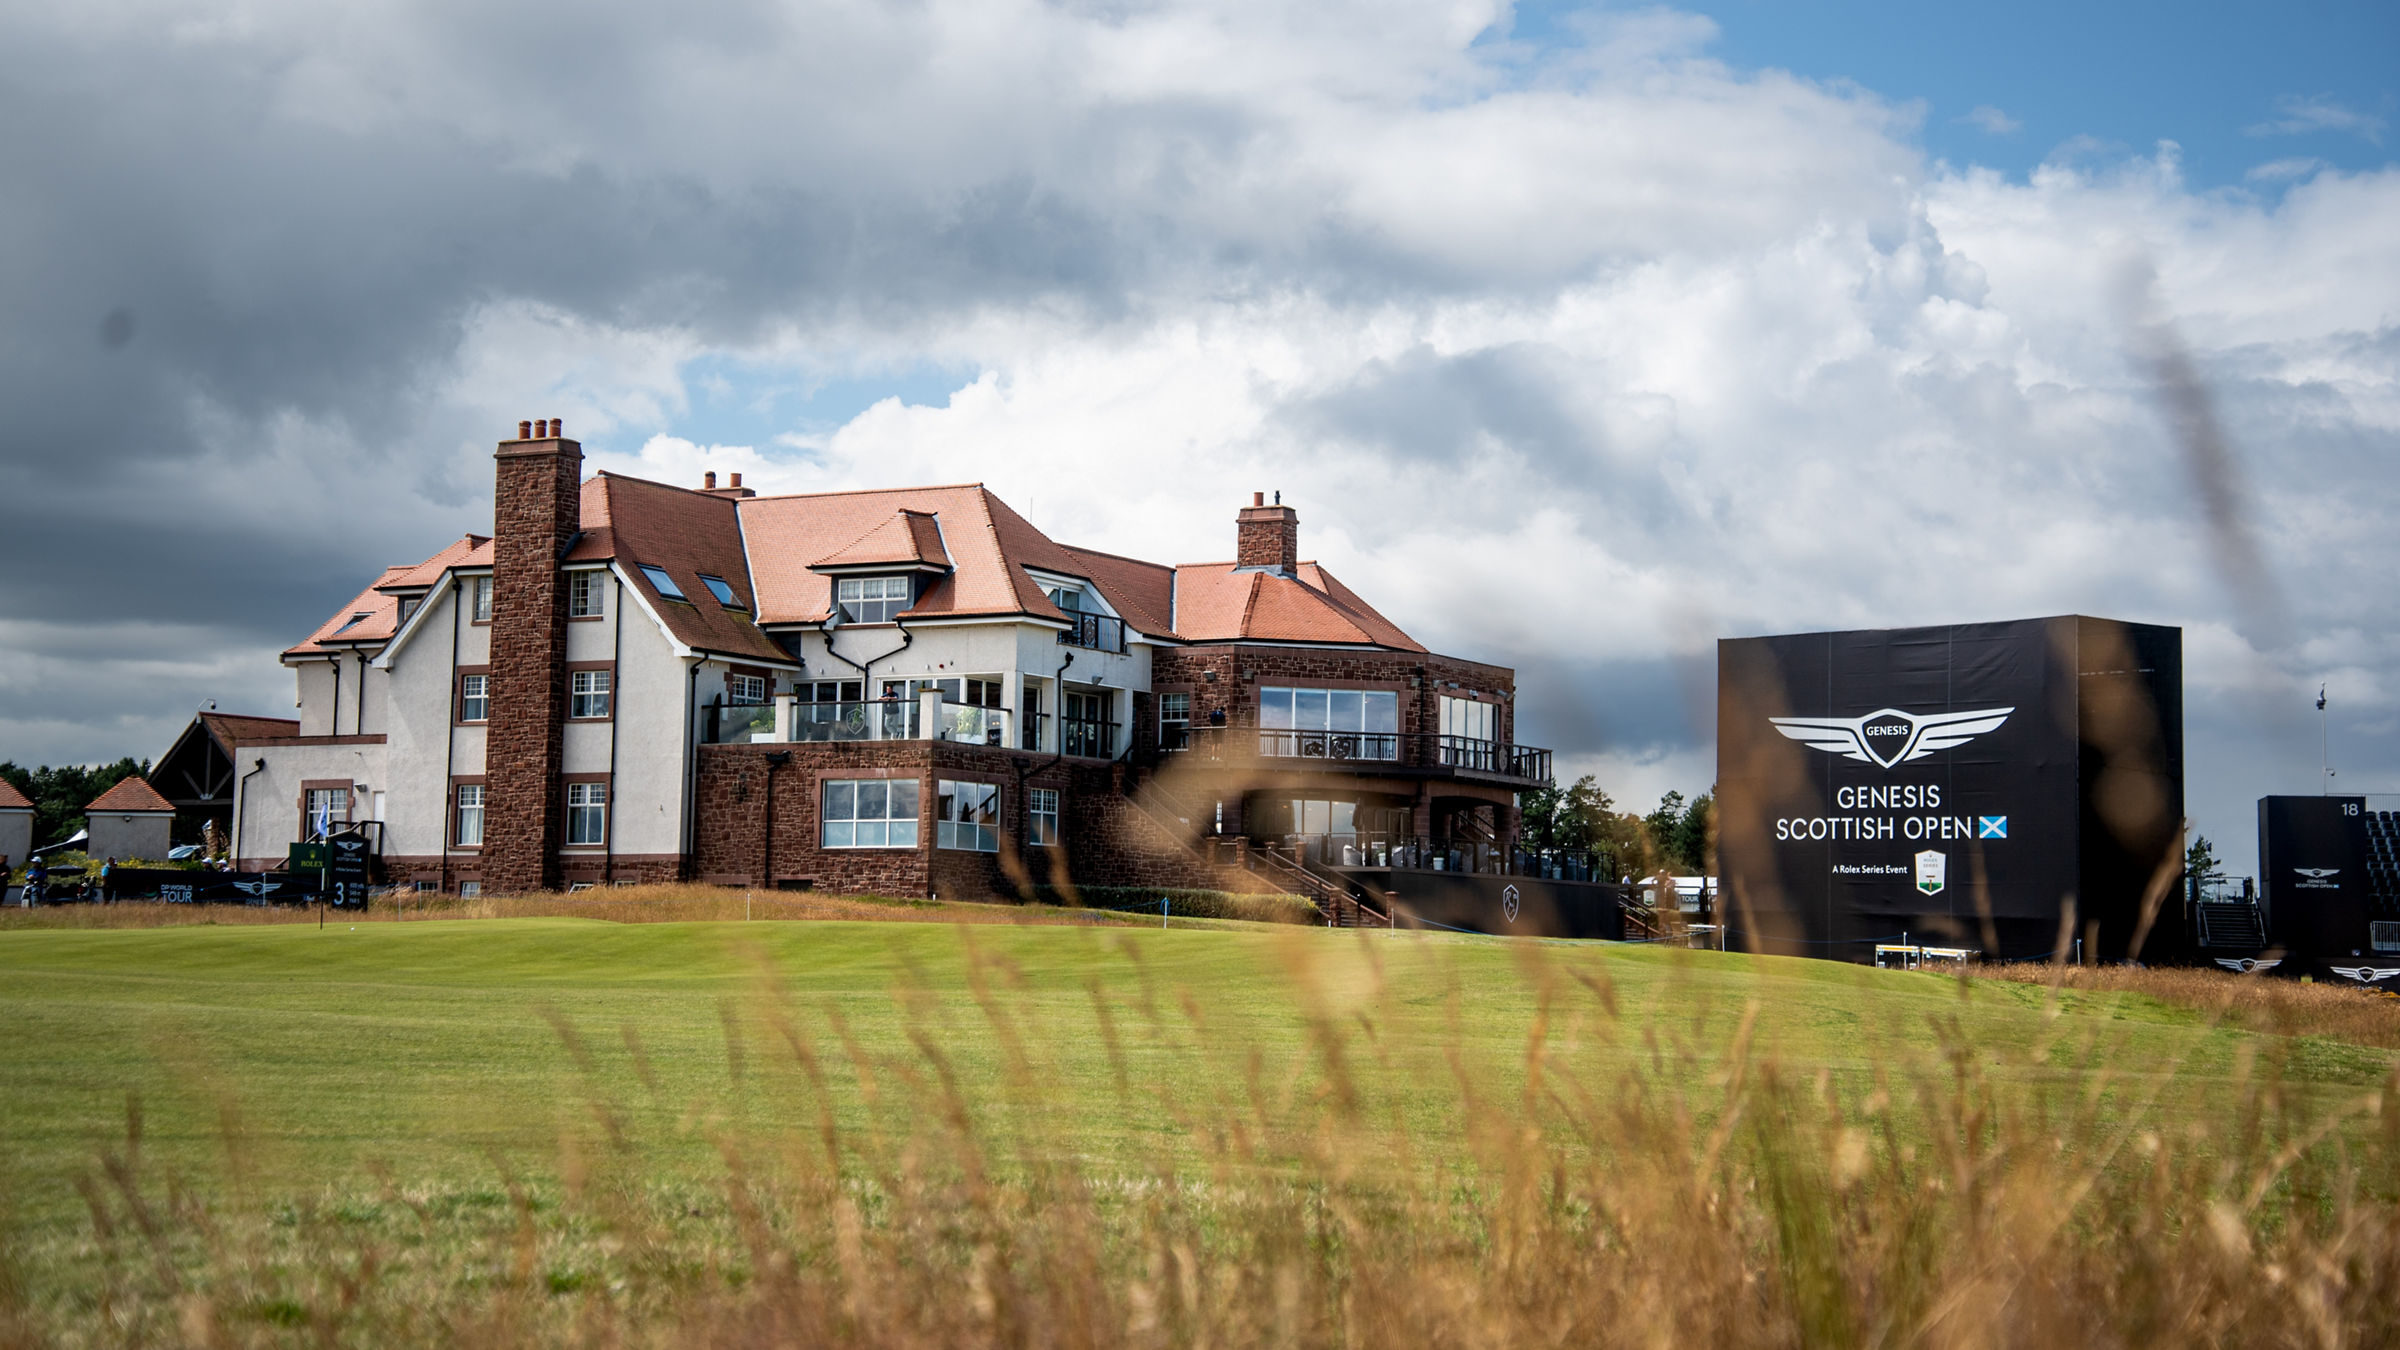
column 661, row 582
column 408, row 606
column 720, row 588
column 871, row 599
column 1067, row 598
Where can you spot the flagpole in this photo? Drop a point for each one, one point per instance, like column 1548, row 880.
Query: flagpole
column 2324, row 749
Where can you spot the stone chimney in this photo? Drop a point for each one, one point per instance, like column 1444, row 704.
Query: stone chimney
column 708, row 484
column 537, row 510
column 1266, row 538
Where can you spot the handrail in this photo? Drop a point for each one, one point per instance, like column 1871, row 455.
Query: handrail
column 1407, row 749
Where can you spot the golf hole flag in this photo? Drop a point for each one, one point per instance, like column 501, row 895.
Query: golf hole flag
column 1966, row 783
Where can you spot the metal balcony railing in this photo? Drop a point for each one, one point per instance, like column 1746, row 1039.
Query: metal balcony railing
column 1096, row 631
column 1368, row 749
column 883, row 719
column 1416, row 853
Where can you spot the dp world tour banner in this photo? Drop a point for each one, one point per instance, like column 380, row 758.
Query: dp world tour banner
column 1967, row 785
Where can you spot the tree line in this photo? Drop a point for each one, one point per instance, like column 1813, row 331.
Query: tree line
column 60, row 794
column 1679, row 837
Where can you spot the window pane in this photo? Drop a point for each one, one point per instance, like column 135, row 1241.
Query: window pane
column 872, row 797
column 1275, row 708
column 1313, row 818
column 1308, row 709
column 904, row 833
column 840, row 834
column 1382, row 711
column 1345, row 818
column 841, row 801
column 904, row 804
column 872, row 833
column 1344, row 713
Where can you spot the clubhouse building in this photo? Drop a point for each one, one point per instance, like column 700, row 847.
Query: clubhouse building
column 910, row 691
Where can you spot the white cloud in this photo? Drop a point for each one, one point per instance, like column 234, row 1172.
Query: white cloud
column 2297, row 115
column 2284, row 170
column 1577, row 359
column 1993, row 121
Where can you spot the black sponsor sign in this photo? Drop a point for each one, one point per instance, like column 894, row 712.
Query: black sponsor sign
column 2312, row 862
column 349, row 867
column 179, row 886
column 1962, row 784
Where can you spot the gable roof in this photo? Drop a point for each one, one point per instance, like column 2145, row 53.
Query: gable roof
column 686, row 535
column 11, row 799
column 373, row 617
column 130, row 794
column 1214, row 602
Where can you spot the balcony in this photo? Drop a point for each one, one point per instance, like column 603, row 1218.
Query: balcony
column 891, row 719
column 1371, row 751
column 1344, row 852
column 1097, row 632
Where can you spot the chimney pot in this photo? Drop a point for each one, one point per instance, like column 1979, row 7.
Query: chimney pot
column 541, row 428
column 737, row 480
column 1258, row 499
column 558, row 427
column 524, row 431
column 708, row 481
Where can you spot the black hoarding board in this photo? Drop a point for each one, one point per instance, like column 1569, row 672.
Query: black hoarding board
column 2312, row 864
column 1966, row 785
column 349, row 868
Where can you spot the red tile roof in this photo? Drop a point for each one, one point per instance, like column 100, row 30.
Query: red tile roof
column 764, row 549
column 1215, row 603
column 11, row 799
column 130, row 794
column 685, row 534
column 912, row 538
column 230, row 729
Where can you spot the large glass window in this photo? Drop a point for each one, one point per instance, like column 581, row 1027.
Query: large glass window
column 1041, row 805
column 967, row 816
column 1471, row 718
column 1329, row 723
column 745, row 688
column 469, row 833
column 585, row 596
column 869, row 813
column 587, row 813
column 588, row 694
column 474, row 698
column 871, row 599
column 1174, row 720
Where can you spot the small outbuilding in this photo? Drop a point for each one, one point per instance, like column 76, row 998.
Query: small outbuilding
column 16, row 827
column 129, row 821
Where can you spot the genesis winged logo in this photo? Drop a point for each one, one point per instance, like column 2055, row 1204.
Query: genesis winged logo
column 1891, row 736
column 2318, row 873
column 2365, row 974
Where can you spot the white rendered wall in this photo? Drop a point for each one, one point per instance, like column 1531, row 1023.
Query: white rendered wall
column 16, row 835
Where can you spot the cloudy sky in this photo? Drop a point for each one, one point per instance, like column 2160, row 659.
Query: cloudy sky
column 1580, row 335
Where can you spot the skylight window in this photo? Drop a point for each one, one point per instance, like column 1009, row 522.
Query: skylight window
column 717, row 587
column 661, row 582
column 355, row 621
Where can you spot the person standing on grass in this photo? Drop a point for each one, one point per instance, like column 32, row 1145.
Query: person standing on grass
column 108, row 875
column 36, row 874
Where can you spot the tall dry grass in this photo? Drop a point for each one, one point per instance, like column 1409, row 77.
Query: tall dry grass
column 1623, row 1177
column 2254, row 1002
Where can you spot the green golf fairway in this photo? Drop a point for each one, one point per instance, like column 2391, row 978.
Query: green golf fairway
column 316, row 1060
